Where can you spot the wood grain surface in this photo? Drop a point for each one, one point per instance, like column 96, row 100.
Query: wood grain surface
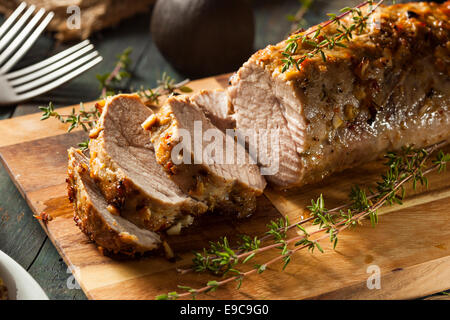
column 411, row 245
column 21, row 236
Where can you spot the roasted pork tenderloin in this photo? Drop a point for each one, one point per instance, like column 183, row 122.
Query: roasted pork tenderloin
column 99, row 220
column 123, row 164
column 201, row 159
column 389, row 87
column 217, row 107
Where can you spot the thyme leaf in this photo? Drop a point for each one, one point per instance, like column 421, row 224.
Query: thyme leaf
column 87, row 119
column 109, row 81
column 220, row 258
column 318, row 41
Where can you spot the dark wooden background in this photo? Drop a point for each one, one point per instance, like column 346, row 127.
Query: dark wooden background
column 21, row 237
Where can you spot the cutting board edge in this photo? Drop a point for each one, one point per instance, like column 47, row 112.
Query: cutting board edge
column 351, row 291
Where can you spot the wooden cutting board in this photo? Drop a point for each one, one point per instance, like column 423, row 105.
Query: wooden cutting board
column 410, row 246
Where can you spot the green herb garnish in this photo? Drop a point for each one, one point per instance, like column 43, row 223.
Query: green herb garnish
column 320, row 41
column 87, row 119
column 220, row 258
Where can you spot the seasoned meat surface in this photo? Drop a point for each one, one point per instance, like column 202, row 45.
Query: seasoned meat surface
column 389, row 87
column 100, row 221
column 123, row 164
column 204, row 169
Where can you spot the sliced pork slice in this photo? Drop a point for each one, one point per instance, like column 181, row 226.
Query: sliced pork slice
column 206, row 163
column 259, row 109
column 388, row 87
column 100, row 221
column 216, row 105
column 123, row 164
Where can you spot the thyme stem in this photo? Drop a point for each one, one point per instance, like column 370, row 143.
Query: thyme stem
column 111, row 76
column 410, row 165
column 319, row 43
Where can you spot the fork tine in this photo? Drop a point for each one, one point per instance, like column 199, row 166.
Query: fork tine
column 27, row 44
column 61, row 80
column 17, row 26
column 5, row 26
column 51, row 68
column 47, row 61
column 21, row 36
column 56, row 74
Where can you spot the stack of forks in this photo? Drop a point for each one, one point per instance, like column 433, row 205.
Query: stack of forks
column 17, row 35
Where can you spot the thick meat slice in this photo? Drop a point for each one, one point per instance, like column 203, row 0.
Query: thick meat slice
column 123, row 165
column 206, row 163
column 216, row 105
column 389, row 87
column 98, row 220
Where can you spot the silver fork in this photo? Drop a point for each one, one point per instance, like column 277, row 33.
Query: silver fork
column 44, row 76
column 19, row 32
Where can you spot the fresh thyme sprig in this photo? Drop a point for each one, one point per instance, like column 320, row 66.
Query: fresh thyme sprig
column 320, row 41
column 109, row 81
column 166, row 86
column 88, row 118
column 84, row 118
column 220, row 259
column 298, row 20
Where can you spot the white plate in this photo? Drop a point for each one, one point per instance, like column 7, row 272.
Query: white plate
column 21, row 286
